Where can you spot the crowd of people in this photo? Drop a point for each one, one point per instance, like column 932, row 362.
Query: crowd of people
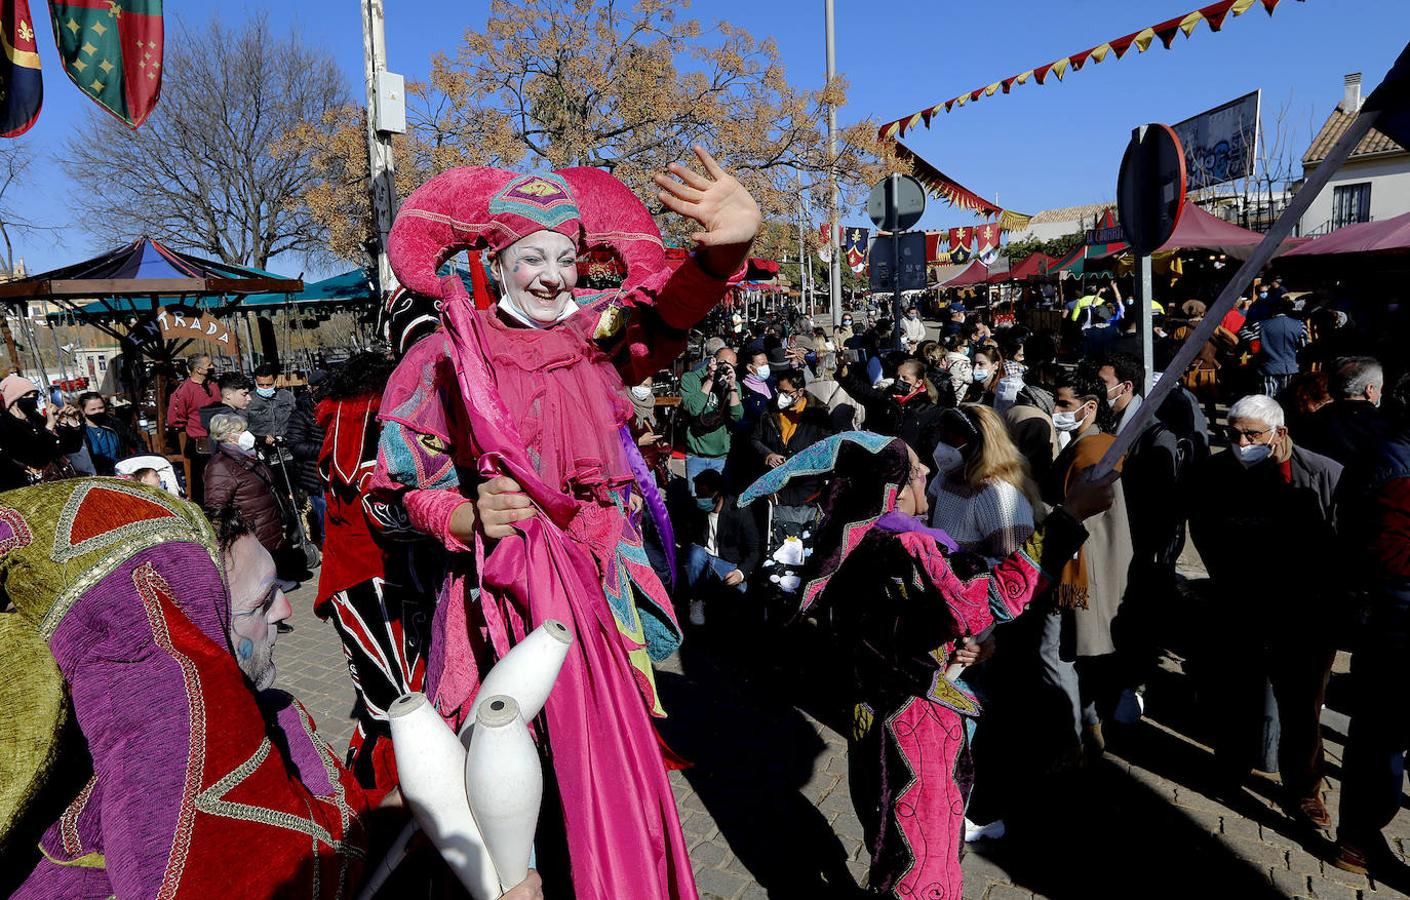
column 918, row 493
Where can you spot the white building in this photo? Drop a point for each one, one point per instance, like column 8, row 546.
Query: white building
column 1373, row 184
column 1056, row 223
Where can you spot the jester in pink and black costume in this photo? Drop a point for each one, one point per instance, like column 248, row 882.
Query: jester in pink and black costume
column 530, row 392
column 899, row 599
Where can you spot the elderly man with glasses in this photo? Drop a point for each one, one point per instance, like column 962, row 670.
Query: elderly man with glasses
column 1262, row 520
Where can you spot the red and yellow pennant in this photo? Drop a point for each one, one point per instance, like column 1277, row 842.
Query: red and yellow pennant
column 951, row 191
column 1212, row 15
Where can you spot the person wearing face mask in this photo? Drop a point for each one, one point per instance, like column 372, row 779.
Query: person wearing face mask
column 1076, row 647
column 236, row 477
column 270, row 407
column 107, row 438
column 843, row 332
column 757, row 388
column 1263, row 520
column 720, row 545
column 912, row 329
column 985, row 374
column 198, row 390
column 982, row 494
column 33, row 444
column 904, row 409
column 1353, row 424
column 795, row 423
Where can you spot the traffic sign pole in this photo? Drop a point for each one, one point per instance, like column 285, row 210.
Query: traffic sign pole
column 893, row 215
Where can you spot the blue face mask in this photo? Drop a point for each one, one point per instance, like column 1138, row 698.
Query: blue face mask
column 266, row 393
column 706, row 504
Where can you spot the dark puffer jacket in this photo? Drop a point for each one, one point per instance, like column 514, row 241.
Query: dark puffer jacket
column 304, row 441
column 234, row 478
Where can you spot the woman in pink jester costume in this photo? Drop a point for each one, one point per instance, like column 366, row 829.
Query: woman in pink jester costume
column 900, row 599
column 506, row 437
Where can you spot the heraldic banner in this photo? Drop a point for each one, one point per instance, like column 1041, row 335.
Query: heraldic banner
column 112, row 49
column 21, row 88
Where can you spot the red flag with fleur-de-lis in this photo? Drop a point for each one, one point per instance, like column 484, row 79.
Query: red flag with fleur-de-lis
column 112, row 49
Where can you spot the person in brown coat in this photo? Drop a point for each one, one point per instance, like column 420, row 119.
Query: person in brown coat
column 236, row 477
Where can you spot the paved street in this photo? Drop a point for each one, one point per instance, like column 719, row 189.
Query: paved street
column 767, row 811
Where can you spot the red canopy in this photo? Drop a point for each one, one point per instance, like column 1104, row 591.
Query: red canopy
column 1198, row 230
column 974, row 273
column 1032, row 266
column 1366, row 237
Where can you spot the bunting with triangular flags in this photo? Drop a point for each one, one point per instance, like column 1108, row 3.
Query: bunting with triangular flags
column 952, row 192
column 1213, row 15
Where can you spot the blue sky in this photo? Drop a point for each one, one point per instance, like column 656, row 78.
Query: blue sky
column 1039, row 147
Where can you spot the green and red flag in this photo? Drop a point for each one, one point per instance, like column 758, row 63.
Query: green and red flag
column 112, row 49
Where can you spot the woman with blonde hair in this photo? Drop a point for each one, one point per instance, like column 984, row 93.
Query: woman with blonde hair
column 983, row 494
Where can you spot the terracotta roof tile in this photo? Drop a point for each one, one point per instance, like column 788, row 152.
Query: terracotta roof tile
column 1373, row 143
column 1070, row 213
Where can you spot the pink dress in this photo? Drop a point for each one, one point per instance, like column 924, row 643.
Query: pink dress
column 546, row 407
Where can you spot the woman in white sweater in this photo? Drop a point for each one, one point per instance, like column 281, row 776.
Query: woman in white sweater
column 982, row 494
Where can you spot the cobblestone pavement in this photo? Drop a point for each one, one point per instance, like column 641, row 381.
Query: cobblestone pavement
column 767, row 812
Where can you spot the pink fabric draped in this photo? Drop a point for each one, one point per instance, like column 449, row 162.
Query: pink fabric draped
column 623, row 831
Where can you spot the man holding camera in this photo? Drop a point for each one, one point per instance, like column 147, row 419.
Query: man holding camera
column 710, row 401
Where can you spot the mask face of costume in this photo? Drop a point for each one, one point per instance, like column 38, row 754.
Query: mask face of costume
column 257, row 606
column 537, row 275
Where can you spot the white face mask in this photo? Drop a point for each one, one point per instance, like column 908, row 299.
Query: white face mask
column 246, row 441
column 981, row 374
column 947, row 459
column 1251, row 455
column 641, row 391
column 762, row 373
column 1065, row 421
column 785, row 401
column 829, row 346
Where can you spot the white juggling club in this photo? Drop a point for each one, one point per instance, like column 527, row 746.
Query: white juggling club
column 504, row 784
column 526, row 673
column 431, row 766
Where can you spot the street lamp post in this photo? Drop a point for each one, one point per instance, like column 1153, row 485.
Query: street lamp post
column 834, row 265
column 386, row 115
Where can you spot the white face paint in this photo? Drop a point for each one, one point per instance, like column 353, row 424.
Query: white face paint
column 537, row 274
column 257, row 606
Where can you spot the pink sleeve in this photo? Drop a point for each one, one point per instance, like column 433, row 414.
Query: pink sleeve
column 666, row 306
column 430, row 512
column 997, row 595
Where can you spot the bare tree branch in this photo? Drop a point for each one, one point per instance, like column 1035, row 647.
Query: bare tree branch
column 200, row 174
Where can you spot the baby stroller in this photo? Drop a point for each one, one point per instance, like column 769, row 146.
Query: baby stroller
column 126, row 468
column 300, row 548
column 788, row 533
